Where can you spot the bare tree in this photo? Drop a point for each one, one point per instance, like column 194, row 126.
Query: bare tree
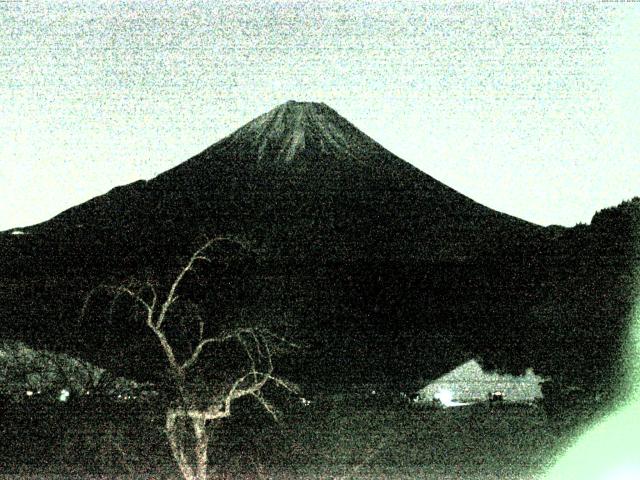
column 190, row 407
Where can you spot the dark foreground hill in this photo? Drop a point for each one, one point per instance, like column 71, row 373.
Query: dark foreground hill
column 378, row 270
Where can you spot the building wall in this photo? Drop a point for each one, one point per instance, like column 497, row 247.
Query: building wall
column 469, row 383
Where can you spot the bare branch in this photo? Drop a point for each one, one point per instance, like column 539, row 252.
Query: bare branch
column 266, row 404
column 119, row 291
column 237, row 392
column 249, row 355
column 91, row 294
column 135, row 296
column 168, row 350
column 233, row 335
column 171, row 296
column 267, row 333
column 198, row 350
column 268, row 356
column 287, row 385
column 258, row 345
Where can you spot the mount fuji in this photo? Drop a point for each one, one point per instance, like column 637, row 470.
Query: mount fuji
column 375, row 267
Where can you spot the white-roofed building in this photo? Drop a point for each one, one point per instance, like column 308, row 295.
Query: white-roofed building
column 469, row 383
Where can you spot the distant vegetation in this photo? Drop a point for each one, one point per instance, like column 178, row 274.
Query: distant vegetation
column 27, row 375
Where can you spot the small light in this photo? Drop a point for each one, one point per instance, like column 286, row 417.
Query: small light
column 64, row 395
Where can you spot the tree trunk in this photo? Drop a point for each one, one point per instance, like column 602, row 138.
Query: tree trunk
column 196, row 469
column 200, row 430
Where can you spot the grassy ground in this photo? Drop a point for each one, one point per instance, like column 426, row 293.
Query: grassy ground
column 395, row 441
column 344, row 438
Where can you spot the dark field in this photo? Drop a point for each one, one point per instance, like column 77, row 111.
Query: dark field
column 334, row 437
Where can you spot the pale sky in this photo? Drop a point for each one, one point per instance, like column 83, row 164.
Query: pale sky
column 530, row 109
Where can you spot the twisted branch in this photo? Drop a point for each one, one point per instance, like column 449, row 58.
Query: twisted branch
column 254, row 342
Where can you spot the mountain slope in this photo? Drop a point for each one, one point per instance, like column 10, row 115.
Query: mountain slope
column 297, row 180
column 378, row 269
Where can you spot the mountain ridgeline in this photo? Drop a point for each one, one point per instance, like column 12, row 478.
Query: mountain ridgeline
column 376, row 269
column 306, row 185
